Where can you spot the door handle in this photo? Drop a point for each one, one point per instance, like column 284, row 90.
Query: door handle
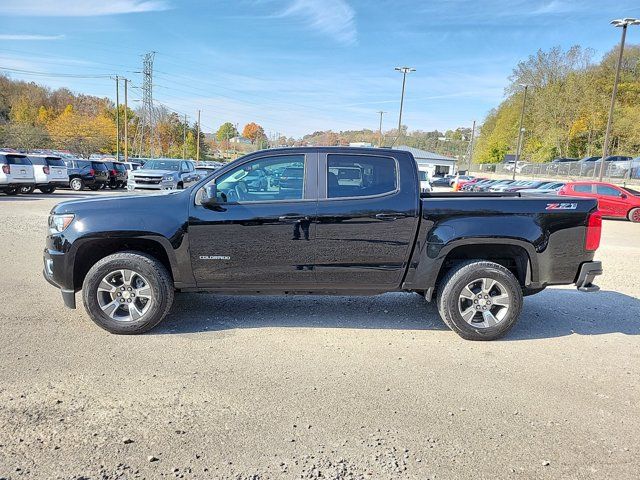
column 291, row 218
column 389, row 217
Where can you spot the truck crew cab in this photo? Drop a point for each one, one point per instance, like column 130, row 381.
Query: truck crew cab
column 476, row 254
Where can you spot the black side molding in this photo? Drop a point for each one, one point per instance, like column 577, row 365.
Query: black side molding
column 588, row 271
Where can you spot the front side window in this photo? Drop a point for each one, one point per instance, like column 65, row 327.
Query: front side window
column 264, row 179
column 608, row 191
column 360, row 175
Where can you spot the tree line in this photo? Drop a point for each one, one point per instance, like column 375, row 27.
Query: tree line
column 566, row 107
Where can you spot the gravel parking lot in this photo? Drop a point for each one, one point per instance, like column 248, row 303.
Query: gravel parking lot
column 316, row 387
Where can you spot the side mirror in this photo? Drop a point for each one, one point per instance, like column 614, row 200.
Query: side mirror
column 623, row 195
column 209, row 196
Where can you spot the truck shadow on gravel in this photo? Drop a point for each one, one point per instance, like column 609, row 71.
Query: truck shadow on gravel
column 552, row 313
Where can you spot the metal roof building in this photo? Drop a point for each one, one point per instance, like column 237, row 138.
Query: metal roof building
column 435, row 163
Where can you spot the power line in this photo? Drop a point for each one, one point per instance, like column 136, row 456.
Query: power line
column 61, row 75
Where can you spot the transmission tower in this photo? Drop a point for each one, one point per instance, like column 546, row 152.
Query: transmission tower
column 146, row 134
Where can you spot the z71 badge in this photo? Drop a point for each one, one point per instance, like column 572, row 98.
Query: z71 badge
column 562, row 206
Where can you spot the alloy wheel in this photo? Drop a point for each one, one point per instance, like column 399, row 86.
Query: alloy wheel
column 484, row 303
column 124, row 295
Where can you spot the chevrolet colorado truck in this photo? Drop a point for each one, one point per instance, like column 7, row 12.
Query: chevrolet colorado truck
column 327, row 231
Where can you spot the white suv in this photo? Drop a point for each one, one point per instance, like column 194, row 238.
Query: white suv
column 49, row 171
column 16, row 172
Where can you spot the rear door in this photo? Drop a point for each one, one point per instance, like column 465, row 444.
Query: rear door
column 367, row 216
column 101, row 171
column 57, row 169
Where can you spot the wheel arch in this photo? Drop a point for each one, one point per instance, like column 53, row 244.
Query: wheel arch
column 92, row 250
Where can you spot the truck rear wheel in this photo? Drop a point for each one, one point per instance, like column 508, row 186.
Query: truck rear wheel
column 479, row 300
column 128, row 293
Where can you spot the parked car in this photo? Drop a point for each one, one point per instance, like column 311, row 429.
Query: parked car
column 16, row 172
column 117, row 174
column 613, row 201
column 564, row 160
column 256, row 180
column 86, row 173
column 593, row 166
column 500, row 185
column 163, row 174
column 476, row 255
column 441, row 181
column 205, row 170
column 50, row 172
column 459, row 178
column 423, row 178
column 291, row 178
column 549, row 188
column 468, row 183
column 132, row 165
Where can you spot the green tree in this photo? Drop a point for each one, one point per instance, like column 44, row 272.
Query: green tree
column 226, row 131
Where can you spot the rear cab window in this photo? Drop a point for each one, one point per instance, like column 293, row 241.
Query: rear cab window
column 17, row 160
column 360, row 175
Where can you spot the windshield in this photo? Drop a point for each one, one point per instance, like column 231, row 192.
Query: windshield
column 422, row 176
column 633, row 192
column 162, row 165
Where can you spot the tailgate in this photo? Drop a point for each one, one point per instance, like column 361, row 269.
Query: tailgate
column 21, row 172
column 58, row 173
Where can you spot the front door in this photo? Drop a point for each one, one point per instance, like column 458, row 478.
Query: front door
column 258, row 238
column 611, row 201
column 366, row 221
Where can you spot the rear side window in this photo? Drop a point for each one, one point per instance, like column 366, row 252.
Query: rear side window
column 360, row 175
column 55, row 162
column 83, row 164
column 38, row 161
column 99, row 166
column 606, row 190
column 120, row 167
column 582, row 188
column 17, row 160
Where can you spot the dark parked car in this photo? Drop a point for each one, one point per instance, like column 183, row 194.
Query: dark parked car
column 441, row 181
column 477, row 255
column 86, row 173
column 291, row 178
column 117, row 174
column 256, row 180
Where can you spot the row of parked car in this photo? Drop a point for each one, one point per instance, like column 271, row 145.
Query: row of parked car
column 24, row 173
column 615, row 166
column 613, row 201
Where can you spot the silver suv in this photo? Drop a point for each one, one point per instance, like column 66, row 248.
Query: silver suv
column 16, row 172
column 163, row 174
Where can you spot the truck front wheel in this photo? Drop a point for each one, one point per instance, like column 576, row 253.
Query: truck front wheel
column 479, row 300
column 127, row 292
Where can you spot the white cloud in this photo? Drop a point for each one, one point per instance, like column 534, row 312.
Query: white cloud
column 79, row 8
column 334, row 18
column 10, row 37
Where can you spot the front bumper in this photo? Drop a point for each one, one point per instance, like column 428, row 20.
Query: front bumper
column 586, row 275
column 163, row 185
column 55, row 272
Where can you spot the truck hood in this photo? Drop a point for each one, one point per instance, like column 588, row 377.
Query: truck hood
column 153, row 202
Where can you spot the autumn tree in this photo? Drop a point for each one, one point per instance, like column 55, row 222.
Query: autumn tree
column 253, row 132
column 83, row 134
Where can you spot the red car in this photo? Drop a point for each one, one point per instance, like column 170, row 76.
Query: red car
column 613, row 201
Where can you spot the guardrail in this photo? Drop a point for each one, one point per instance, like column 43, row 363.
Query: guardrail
column 613, row 171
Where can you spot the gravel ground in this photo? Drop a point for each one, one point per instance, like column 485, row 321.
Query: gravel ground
column 316, row 387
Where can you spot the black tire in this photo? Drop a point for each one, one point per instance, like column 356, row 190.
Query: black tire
column 12, row 191
column 27, row 190
column 151, row 269
column 634, row 215
column 113, row 186
column 76, row 184
column 95, row 187
column 47, row 190
column 180, row 186
column 459, row 277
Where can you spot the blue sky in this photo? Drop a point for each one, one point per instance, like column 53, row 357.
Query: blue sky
column 296, row 66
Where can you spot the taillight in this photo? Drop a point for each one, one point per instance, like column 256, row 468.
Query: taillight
column 6, row 169
column 92, row 172
column 113, row 172
column 594, row 231
column 46, row 170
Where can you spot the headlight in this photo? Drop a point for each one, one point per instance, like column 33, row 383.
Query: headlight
column 167, row 178
column 59, row 223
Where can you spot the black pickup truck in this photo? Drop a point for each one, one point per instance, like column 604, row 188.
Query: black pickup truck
column 353, row 223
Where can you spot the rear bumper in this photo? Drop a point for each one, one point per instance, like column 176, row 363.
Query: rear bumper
column 17, row 184
column 587, row 273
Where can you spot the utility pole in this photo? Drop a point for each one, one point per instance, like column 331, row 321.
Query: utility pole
column 521, row 130
column 473, row 137
column 126, row 122
column 184, row 138
column 117, row 118
column 624, row 23
column 404, row 71
column 198, row 140
column 380, row 129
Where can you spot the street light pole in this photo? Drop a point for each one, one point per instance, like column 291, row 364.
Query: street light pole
column 404, row 71
column 521, row 130
column 624, row 23
column 380, row 129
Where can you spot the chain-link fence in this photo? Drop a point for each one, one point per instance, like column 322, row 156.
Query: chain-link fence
column 621, row 170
